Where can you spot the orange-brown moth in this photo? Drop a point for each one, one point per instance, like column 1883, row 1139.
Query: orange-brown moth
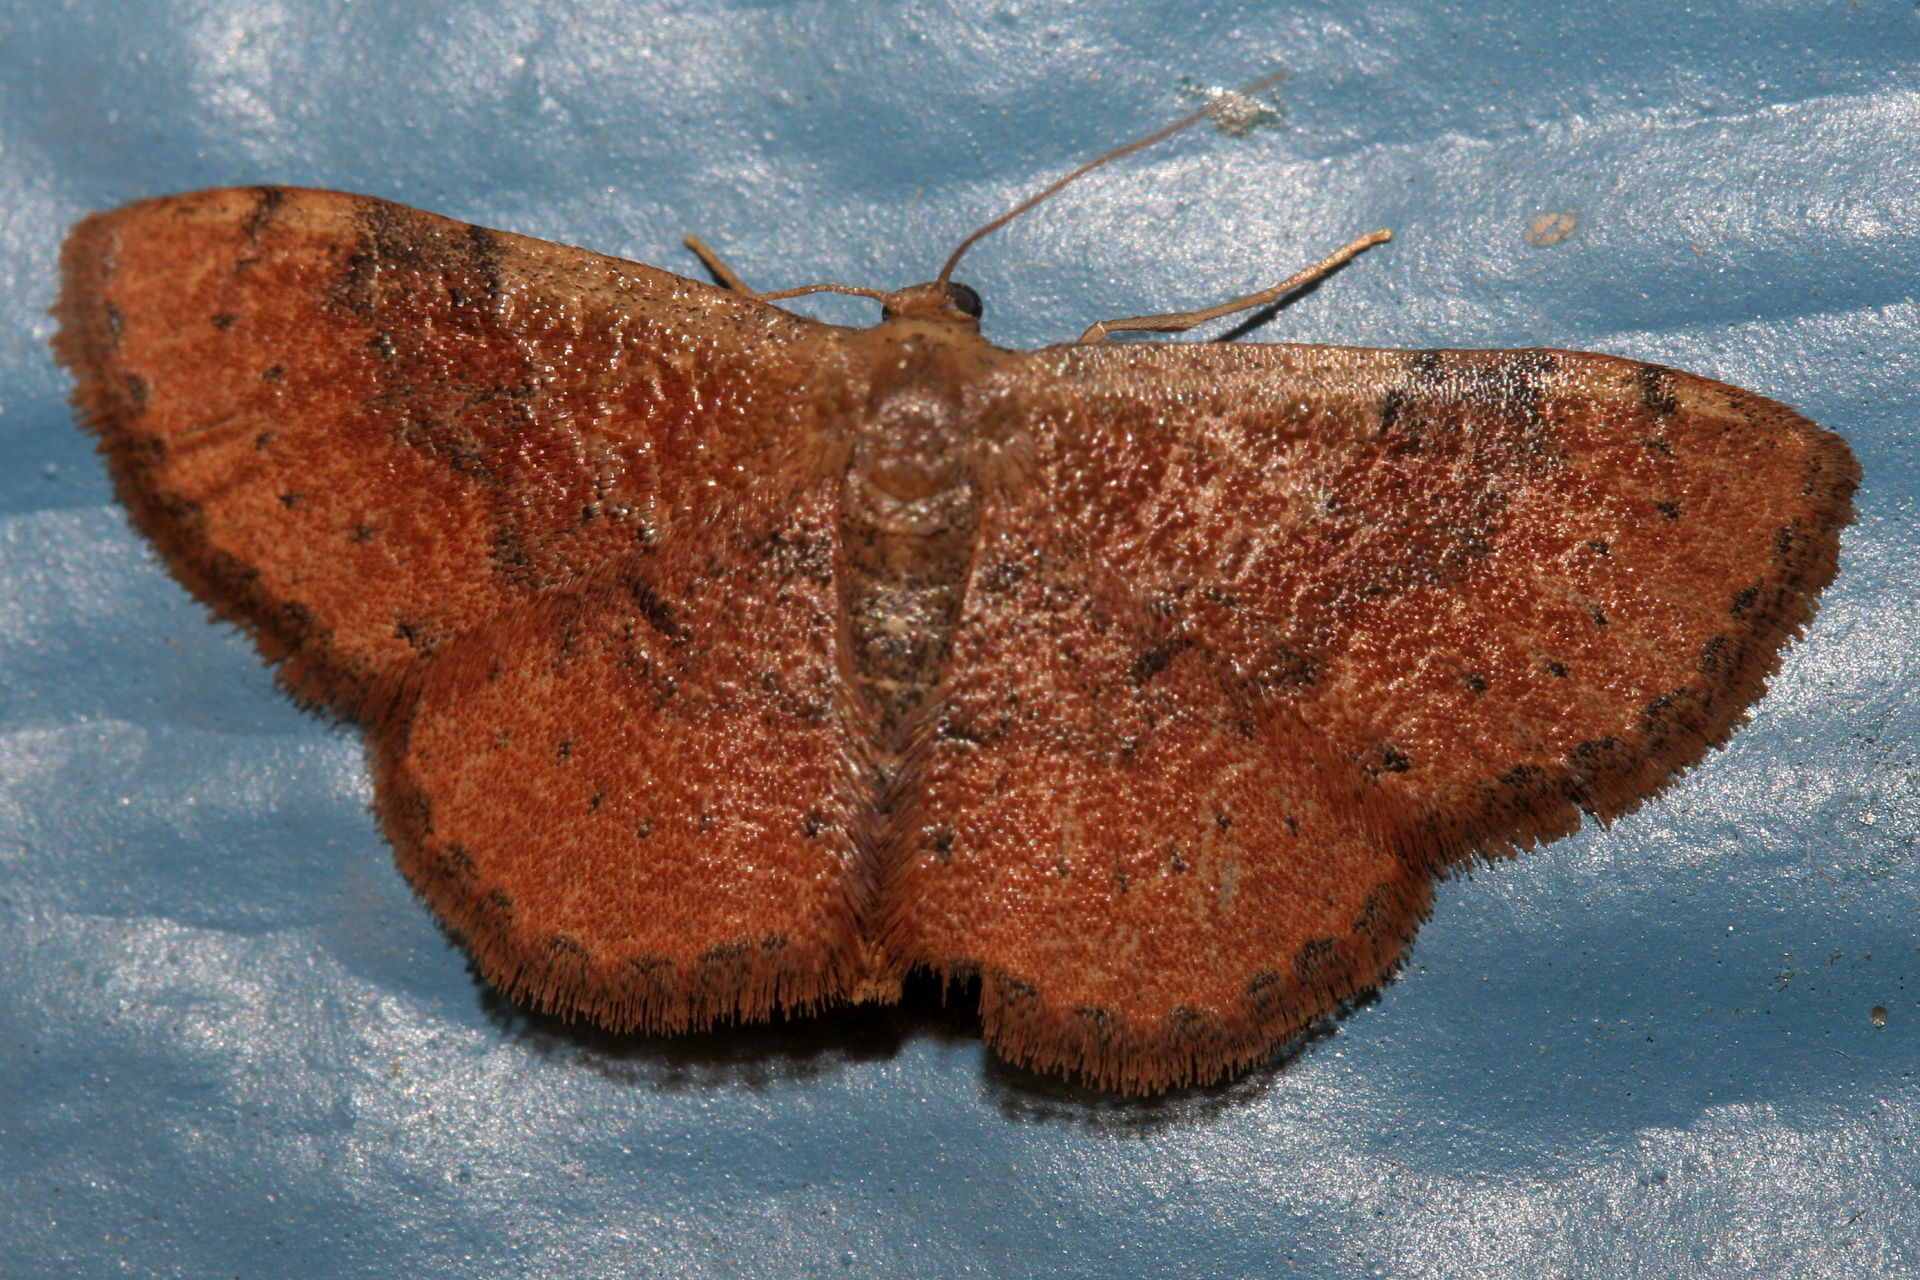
column 718, row 663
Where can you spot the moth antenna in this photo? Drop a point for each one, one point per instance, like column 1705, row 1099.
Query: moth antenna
column 721, row 271
column 876, row 294
column 1181, row 321
column 1186, row 122
column 725, row 275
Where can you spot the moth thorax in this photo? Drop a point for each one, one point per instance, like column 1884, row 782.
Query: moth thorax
column 909, row 472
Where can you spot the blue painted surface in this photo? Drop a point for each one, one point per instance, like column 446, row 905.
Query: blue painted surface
column 232, row 1044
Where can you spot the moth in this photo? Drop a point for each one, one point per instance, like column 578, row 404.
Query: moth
column 717, row 663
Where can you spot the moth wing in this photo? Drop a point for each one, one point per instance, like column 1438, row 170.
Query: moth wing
column 1267, row 636
column 531, row 513
column 634, row 798
column 359, row 429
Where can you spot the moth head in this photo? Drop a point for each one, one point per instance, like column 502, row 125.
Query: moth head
column 939, row 301
column 942, row 301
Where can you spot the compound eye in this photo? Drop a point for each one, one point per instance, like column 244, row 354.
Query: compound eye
column 963, row 300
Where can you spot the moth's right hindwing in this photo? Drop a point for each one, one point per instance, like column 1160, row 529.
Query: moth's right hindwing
column 379, row 439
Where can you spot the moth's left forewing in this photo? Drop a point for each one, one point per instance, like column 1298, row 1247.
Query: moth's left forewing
column 1518, row 582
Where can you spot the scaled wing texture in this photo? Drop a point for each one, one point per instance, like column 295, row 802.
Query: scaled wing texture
column 1270, row 635
column 551, row 525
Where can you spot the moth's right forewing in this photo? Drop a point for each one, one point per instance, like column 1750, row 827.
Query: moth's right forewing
column 557, row 527
column 362, row 430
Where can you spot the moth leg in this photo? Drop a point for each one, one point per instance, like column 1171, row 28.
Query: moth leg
column 1181, row 321
column 721, row 271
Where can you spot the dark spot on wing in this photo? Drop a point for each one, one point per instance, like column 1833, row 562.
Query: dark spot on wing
column 648, row 976
column 1315, row 957
column 940, row 840
column 456, row 862
column 726, row 954
column 1517, row 381
column 1010, row 992
column 1391, row 405
column 657, row 614
column 1425, row 367
column 568, row 961
column 1095, row 1023
column 1003, row 577
column 267, row 202
column 1369, row 917
column 1590, row 751
column 1656, row 390
column 1284, row 667
column 1264, row 989
column 494, row 913
column 418, row 633
column 1153, row 661
column 1713, row 655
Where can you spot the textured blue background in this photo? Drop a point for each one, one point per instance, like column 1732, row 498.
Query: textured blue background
column 232, row 1044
